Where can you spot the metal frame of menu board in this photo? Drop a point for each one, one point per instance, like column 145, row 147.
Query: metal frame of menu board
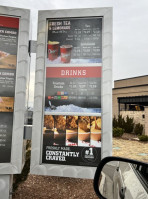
column 22, row 71
column 76, row 171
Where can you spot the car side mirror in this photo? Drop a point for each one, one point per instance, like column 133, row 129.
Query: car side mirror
column 120, row 178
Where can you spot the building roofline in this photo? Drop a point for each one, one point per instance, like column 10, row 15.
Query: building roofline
column 130, row 86
column 131, row 78
column 138, row 96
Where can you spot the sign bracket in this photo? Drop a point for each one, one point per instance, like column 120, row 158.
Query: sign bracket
column 6, row 183
column 27, row 132
column 32, row 46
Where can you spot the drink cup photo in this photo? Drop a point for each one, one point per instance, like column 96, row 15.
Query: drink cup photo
column 59, row 138
column 53, row 50
column 96, row 136
column 84, row 131
column 65, row 53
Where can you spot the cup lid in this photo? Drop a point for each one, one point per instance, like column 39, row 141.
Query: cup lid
column 66, row 46
column 53, row 42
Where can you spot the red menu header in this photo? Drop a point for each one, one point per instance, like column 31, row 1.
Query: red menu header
column 9, row 22
column 73, row 72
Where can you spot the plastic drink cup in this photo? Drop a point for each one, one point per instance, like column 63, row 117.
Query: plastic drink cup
column 65, row 53
column 53, row 49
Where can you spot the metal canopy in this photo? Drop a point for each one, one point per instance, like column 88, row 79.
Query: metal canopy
column 142, row 100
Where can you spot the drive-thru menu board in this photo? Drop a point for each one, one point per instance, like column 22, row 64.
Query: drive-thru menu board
column 9, row 27
column 72, row 114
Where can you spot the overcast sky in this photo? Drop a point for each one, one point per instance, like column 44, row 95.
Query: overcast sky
column 130, row 31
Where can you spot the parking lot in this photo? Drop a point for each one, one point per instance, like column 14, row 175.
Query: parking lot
column 130, row 149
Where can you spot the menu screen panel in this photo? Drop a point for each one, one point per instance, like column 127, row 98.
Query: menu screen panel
column 9, row 28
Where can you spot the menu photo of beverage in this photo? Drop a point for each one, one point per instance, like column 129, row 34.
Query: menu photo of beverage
column 65, row 52
column 65, row 138
column 95, row 131
column 89, row 131
column 71, row 130
column 60, row 130
column 74, row 40
column 84, row 131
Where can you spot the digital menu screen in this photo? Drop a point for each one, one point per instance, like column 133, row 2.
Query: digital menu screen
column 9, row 27
column 72, row 111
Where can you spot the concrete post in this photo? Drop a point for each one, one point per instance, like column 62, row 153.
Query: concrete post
column 6, row 182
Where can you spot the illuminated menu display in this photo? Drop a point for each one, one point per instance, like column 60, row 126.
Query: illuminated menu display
column 9, row 27
column 72, row 112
